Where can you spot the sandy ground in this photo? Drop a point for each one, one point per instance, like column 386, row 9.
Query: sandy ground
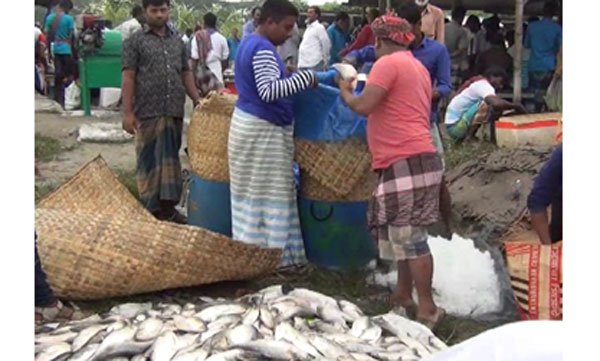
column 64, row 128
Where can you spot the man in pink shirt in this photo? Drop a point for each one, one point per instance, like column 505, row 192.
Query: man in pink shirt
column 432, row 21
column 397, row 101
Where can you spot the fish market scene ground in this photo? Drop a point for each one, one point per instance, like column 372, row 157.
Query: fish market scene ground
column 475, row 304
column 193, row 203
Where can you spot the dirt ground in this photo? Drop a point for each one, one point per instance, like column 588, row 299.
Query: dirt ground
column 74, row 154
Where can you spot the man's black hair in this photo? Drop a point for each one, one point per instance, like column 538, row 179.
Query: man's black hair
column 189, row 31
column 496, row 39
column 316, row 9
column 137, row 11
column 495, row 71
column 374, row 12
column 550, row 9
column 458, row 13
column 410, row 12
column 66, row 5
column 146, row 3
column 342, row 15
column 210, row 20
column 254, row 10
column 277, row 10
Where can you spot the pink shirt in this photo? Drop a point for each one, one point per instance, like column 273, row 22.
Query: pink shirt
column 398, row 128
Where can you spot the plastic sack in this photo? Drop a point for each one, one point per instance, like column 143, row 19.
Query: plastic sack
column 553, row 96
column 321, row 115
column 72, row 97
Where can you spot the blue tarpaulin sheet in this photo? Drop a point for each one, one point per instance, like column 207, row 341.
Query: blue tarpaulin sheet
column 321, row 115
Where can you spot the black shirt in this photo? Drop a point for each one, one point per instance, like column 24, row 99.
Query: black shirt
column 159, row 63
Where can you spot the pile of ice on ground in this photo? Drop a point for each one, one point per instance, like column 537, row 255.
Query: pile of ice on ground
column 465, row 281
column 103, row 133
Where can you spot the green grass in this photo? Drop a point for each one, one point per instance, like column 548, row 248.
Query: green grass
column 128, row 180
column 46, row 148
column 455, row 154
column 42, row 191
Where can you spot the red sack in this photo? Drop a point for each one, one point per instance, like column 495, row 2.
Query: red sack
column 536, row 278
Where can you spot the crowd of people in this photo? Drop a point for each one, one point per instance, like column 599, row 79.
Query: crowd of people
column 411, row 57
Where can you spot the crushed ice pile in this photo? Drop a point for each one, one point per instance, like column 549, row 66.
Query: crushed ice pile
column 465, row 281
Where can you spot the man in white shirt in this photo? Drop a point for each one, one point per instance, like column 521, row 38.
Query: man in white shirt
column 468, row 109
column 132, row 25
column 315, row 46
column 217, row 58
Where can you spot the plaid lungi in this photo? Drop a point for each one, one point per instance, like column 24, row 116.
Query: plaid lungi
column 405, row 201
column 158, row 171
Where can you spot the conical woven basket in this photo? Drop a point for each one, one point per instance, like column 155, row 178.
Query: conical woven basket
column 207, row 137
column 339, row 166
column 95, row 241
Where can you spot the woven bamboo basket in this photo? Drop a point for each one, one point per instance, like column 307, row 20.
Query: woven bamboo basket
column 339, row 166
column 92, row 251
column 207, row 137
column 313, row 189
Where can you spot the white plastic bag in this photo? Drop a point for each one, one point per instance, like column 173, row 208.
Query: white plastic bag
column 72, row 97
column 553, row 96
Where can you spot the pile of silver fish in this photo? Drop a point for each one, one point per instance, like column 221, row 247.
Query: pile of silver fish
column 298, row 324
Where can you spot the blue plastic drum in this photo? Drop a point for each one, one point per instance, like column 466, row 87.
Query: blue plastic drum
column 336, row 234
column 209, row 205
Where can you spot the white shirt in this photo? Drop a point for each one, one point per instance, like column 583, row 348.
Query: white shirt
column 218, row 53
column 475, row 93
column 128, row 28
column 314, row 47
column 185, row 39
column 37, row 33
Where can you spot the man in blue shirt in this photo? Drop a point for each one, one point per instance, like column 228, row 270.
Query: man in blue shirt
column 251, row 25
column 338, row 35
column 547, row 190
column 435, row 57
column 544, row 38
column 233, row 42
column 60, row 28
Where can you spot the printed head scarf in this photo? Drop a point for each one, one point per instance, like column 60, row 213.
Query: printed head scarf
column 393, row 28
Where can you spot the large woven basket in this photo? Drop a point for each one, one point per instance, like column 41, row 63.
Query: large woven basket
column 311, row 188
column 207, row 137
column 338, row 166
column 95, row 241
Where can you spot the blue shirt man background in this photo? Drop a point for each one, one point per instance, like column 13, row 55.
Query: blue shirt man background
column 338, row 35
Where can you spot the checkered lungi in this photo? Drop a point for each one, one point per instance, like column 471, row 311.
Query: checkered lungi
column 158, row 171
column 405, row 201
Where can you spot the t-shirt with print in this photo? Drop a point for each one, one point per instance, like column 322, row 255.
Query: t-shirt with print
column 398, row 128
column 475, row 93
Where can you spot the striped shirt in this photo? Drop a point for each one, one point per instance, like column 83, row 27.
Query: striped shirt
column 262, row 84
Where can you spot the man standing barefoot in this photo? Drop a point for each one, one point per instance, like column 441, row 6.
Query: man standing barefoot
column 156, row 78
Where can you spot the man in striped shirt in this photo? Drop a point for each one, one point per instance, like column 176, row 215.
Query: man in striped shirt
column 261, row 147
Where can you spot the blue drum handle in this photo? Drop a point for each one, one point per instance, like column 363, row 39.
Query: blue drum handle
column 323, row 219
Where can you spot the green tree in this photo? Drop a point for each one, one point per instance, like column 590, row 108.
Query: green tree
column 116, row 11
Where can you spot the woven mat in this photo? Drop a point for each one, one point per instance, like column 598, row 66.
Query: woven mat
column 338, row 166
column 207, row 137
column 95, row 241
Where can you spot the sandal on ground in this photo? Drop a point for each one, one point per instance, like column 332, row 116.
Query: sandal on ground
column 57, row 312
column 435, row 321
